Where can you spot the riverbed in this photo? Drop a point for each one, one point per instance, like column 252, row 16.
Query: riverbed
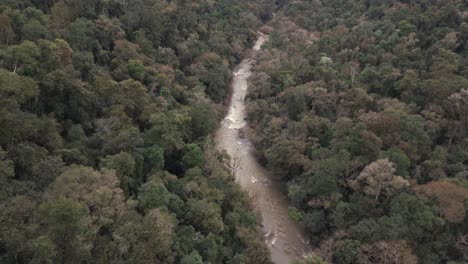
column 282, row 235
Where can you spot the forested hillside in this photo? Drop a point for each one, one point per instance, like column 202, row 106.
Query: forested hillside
column 361, row 109
column 105, row 109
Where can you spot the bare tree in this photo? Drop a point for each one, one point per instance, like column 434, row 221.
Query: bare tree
column 234, row 165
column 378, row 178
column 352, row 69
column 389, row 252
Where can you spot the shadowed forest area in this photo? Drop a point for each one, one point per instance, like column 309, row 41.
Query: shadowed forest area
column 361, row 109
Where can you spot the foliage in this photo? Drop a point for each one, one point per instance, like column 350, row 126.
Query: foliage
column 105, row 109
column 360, row 109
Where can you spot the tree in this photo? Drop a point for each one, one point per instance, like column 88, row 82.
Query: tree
column 46, row 171
column 154, row 158
column 218, row 43
column 84, row 63
column 408, row 87
column 124, row 166
column 96, row 192
column 420, row 218
column 287, row 157
column 45, row 251
column 260, row 85
column 64, row 222
column 23, row 58
column 295, row 105
column 457, row 105
column 257, row 252
column 204, row 119
column 399, row 159
column 392, row 252
column 136, row 70
column 61, row 16
column 48, row 135
column 445, row 63
column 378, row 178
column 311, row 260
column 385, row 125
column 34, row 30
column 315, row 222
column 205, row 216
column 167, row 131
column 7, row 35
column 155, row 238
column 21, row 89
column 193, row 258
column 342, row 215
column 34, row 24
column 17, row 227
column 213, row 73
column 412, row 131
column 366, row 230
column 450, row 196
column 352, row 69
column 82, row 34
column 25, row 157
column 114, row 135
column 193, row 156
column 7, row 169
column 153, row 195
column 346, row 251
column 108, row 31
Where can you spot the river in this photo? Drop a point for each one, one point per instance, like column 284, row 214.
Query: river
column 282, row 235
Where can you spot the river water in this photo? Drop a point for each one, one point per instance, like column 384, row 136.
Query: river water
column 282, row 235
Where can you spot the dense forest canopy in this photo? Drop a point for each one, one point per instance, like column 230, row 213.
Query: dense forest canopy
column 361, row 109
column 105, row 111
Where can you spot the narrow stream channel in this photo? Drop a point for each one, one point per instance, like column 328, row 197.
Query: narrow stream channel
column 283, row 236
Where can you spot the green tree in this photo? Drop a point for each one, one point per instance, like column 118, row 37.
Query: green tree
column 136, row 69
column 34, row 30
column 315, row 222
column 63, row 219
column 82, row 34
column 420, row 218
column 400, row 159
column 347, row 251
column 296, row 105
column 22, row 59
column 193, row 156
column 7, row 35
column 193, row 258
column 153, row 195
column 21, row 89
column 154, row 158
column 124, row 166
column 204, row 119
column 84, row 63
column 205, row 215
column 45, row 251
column 7, row 169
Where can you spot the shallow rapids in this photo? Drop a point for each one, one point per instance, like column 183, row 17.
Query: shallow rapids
column 282, row 235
